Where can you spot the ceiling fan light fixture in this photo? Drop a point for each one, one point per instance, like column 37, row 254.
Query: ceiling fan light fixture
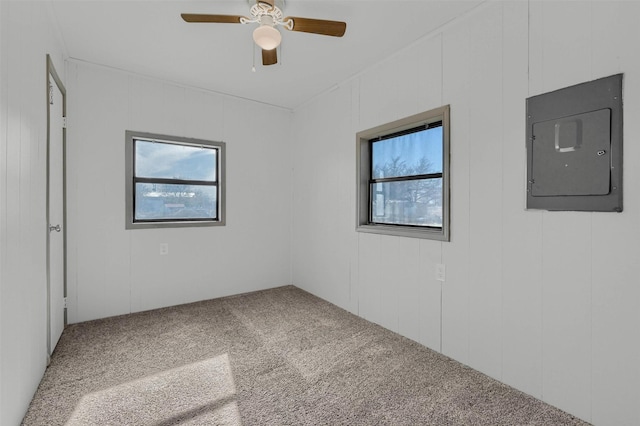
column 268, row 14
column 267, row 37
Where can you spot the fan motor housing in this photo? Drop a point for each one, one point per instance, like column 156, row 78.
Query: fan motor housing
column 277, row 3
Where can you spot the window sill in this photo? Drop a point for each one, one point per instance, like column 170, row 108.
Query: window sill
column 404, row 231
column 181, row 224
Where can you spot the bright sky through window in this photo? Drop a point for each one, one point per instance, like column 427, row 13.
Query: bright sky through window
column 414, row 153
column 403, row 176
column 163, row 160
column 173, row 181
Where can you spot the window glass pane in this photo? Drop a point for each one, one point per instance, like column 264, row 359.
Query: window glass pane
column 172, row 161
column 168, row 201
column 412, row 154
column 412, row 202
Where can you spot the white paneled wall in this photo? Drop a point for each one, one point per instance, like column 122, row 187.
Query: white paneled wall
column 521, row 265
column 26, row 37
column 115, row 271
column 548, row 302
column 456, row 65
column 485, row 190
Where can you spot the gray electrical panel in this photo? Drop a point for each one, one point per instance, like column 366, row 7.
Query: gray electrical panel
column 574, row 147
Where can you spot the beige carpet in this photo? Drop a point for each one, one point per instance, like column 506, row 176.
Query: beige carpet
column 276, row 357
column 203, row 390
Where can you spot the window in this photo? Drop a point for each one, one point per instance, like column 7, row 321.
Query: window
column 403, row 177
column 172, row 181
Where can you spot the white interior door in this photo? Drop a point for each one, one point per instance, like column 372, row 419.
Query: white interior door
column 56, row 256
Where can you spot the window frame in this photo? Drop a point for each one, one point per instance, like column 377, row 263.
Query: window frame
column 364, row 141
column 131, row 180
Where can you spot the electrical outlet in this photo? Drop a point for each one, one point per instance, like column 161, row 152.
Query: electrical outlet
column 164, row 249
column 440, row 272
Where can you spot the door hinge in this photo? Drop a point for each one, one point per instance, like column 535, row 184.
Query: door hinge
column 64, row 122
column 65, row 302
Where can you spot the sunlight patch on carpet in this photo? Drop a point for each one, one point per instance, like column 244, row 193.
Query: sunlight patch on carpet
column 198, row 393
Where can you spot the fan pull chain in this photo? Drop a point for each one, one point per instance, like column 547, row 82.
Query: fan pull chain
column 253, row 47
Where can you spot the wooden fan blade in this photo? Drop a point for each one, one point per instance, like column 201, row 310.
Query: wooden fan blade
column 269, row 57
column 221, row 19
column 269, row 2
column 318, row 26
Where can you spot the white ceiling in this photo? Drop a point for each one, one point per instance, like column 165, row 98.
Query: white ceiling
column 149, row 37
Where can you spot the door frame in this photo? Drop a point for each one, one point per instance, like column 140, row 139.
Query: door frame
column 53, row 75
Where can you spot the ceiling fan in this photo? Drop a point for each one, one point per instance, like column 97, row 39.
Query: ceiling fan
column 268, row 13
